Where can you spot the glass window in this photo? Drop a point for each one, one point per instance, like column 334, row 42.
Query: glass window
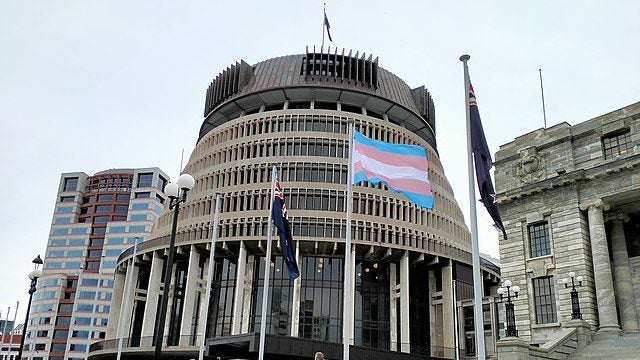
column 82, row 321
column 105, row 198
column 116, row 230
column 143, row 195
column 60, row 334
column 544, row 299
column 59, row 231
column 100, row 220
column 63, row 320
column 78, row 231
column 136, row 228
column 616, row 144
column 76, row 242
column 77, row 347
column 139, row 206
column 87, row 199
column 138, row 217
column 103, row 208
column 67, row 198
column 84, row 307
column 122, row 197
column 58, row 242
column 145, row 179
column 121, row 208
column 162, row 182
column 58, row 347
column 70, row 184
column 539, row 240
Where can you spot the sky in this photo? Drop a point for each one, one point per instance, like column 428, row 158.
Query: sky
column 93, row 85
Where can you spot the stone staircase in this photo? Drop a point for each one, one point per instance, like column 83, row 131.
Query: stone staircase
column 610, row 345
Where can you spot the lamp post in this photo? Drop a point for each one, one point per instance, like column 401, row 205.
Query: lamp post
column 511, row 317
column 34, row 275
column 575, row 303
column 178, row 194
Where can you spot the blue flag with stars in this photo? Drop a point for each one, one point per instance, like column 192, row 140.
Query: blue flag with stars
column 280, row 220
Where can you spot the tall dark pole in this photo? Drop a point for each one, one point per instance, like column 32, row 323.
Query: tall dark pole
column 34, row 275
column 175, row 203
column 32, row 289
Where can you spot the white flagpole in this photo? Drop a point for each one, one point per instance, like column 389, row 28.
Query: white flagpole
column 207, row 294
column 267, row 268
column 348, row 286
column 14, row 326
column 127, row 299
column 475, row 251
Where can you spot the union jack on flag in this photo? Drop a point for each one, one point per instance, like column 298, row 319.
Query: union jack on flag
column 281, row 221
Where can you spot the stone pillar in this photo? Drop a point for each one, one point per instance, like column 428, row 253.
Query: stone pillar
column 622, row 270
column 127, row 313
column 448, row 323
column 190, row 290
column 246, row 298
column 605, row 295
column 295, row 301
column 117, row 298
column 238, row 296
column 404, row 303
column 394, row 294
column 153, row 294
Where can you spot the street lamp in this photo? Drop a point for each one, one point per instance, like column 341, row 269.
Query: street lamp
column 34, row 275
column 178, row 194
column 575, row 303
column 511, row 316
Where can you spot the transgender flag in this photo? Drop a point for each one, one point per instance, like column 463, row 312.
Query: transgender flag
column 403, row 168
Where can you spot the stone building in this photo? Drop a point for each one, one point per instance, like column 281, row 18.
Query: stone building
column 293, row 111
column 570, row 200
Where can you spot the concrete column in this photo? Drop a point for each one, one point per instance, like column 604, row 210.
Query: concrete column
column 238, row 296
column 605, row 295
column 295, row 301
column 191, row 288
column 394, row 288
column 127, row 313
column 448, row 323
column 246, row 298
column 622, row 271
column 404, row 303
column 171, row 284
column 119, row 282
column 153, row 293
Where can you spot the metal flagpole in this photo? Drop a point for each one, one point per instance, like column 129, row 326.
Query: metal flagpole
column 475, row 251
column 14, row 326
column 348, row 286
column 544, row 111
column 207, row 294
column 127, row 300
column 324, row 12
column 267, row 267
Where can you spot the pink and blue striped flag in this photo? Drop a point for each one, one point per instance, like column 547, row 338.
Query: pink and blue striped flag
column 403, row 168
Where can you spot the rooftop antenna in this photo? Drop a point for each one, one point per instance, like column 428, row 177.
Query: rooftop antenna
column 544, row 112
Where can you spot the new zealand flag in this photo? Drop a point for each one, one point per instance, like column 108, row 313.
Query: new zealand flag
column 279, row 214
column 483, row 162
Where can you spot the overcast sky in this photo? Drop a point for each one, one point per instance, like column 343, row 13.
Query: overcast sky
column 88, row 85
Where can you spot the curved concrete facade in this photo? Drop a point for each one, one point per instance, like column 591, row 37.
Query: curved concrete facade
column 406, row 257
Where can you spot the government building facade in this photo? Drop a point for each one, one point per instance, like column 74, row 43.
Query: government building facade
column 570, row 200
column 292, row 112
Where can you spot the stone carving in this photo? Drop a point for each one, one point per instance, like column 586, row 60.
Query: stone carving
column 540, row 267
column 530, row 168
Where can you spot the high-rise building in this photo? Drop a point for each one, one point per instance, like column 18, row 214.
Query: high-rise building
column 293, row 111
column 95, row 218
column 570, row 200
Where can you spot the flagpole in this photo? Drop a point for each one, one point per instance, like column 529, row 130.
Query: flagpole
column 127, row 303
column 267, row 268
column 475, row 251
column 324, row 11
column 544, row 111
column 348, row 287
column 207, row 294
